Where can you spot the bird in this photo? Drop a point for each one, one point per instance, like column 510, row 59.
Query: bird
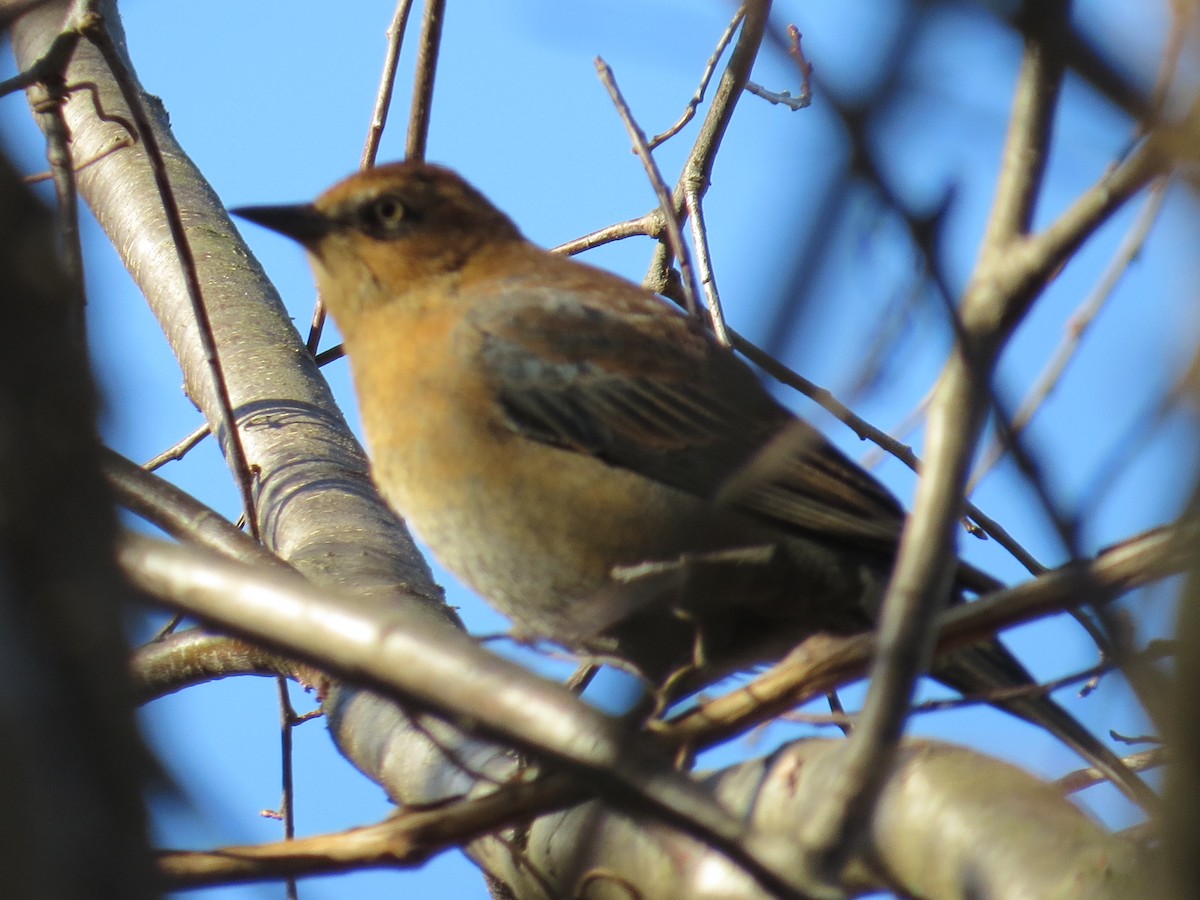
column 590, row 460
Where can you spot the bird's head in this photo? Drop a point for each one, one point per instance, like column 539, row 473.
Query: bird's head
column 387, row 232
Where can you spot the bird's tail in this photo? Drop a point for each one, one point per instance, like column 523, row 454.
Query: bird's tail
column 988, row 666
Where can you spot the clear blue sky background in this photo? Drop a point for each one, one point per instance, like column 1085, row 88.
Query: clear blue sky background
column 272, row 100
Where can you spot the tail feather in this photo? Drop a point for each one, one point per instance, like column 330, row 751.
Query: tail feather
column 987, row 666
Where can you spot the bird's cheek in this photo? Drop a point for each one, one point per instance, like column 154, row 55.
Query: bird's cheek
column 320, row 269
column 341, row 288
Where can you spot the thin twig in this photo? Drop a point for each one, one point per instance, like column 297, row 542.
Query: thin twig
column 697, row 169
column 422, row 98
column 1014, row 692
column 169, row 628
column 837, row 718
column 406, row 838
column 649, row 225
column 705, row 77
column 708, row 280
column 178, row 513
column 804, row 98
column 379, row 116
column 49, row 109
column 842, row 719
column 316, row 327
column 1076, row 781
column 52, row 64
column 50, row 72
column 866, row 431
column 898, row 432
column 838, row 713
column 119, row 143
column 178, row 450
column 287, row 804
column 1154, row 653
column 93, row 27
column 673, row 232
column 387, row 83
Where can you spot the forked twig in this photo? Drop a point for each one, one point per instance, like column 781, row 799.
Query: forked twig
column 673, row 232
column 804, row 98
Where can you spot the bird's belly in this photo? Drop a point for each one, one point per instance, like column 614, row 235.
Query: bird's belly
column 557, row 541
column 540, row 539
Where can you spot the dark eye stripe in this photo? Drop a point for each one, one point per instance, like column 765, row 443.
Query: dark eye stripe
column 384, row 217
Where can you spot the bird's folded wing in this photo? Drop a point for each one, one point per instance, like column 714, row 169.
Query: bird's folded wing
column 632, row 382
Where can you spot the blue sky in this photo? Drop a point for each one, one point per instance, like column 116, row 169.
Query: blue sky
column 272, row 100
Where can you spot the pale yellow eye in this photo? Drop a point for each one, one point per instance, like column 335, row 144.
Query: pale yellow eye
column 384, row 216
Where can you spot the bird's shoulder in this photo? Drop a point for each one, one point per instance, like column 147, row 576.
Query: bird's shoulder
column 597, row 365
column 598, row 351
column 564, row 311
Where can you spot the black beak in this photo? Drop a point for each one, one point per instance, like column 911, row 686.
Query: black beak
column 302, row 222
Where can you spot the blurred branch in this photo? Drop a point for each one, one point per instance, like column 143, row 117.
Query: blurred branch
column 1023, row 165
column 1118, row 569
column 825, row 662
column 1077, row 327
column 405, row 839
column 1081, row 779
column 1011, row 271
column 920, row 846
column 74, row 772
column 1090, row 675
column 1180, row 724
column 427, row 664
column 195, row 656
column 180, row 514
column 46, row 100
